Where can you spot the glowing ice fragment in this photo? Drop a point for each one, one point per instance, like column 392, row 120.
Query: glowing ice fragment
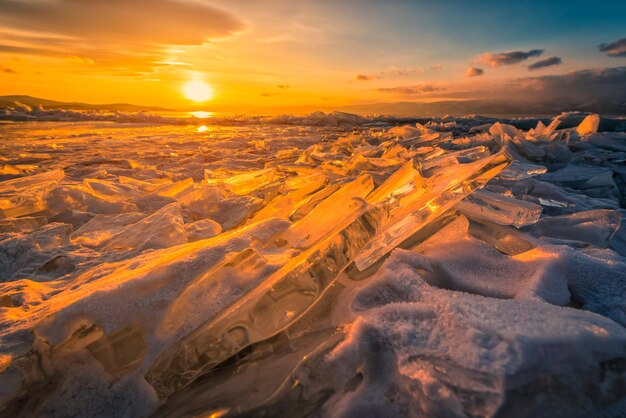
column 503, row 210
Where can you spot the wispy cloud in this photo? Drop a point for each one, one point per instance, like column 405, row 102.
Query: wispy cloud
column 614, row 49
column 364, row 77
column 414, row 90
column 404, row 71
column 494, row 59
column 548, row 62
column 474, row 72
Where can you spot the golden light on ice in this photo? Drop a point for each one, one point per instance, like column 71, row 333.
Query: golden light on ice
column 198, row 91
column 201, row 114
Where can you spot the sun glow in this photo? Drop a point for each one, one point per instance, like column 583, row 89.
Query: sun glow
column 198, row 91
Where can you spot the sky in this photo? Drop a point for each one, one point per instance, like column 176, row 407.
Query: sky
column 280, row 54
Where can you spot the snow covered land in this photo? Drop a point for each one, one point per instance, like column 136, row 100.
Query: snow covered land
column 321, row 265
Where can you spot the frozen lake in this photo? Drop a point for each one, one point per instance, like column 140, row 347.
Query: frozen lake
column 315, row 265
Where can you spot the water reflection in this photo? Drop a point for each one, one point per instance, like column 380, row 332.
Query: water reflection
column 201, row 114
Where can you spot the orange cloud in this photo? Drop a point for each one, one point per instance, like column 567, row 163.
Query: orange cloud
column 474, row 72
column 113, row 33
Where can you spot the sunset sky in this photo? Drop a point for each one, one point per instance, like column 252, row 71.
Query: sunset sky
column 284, row 53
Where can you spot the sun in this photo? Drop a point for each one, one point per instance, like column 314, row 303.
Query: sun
column 198, row 91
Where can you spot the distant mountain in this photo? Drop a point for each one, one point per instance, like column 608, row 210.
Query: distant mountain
column 9, row 101
column 410, row 109
column 486, row 107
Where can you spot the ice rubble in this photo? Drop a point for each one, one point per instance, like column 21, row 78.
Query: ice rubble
column 159, row 259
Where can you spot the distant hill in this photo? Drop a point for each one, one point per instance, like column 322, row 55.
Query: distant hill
column 486, row 107
column 410, row 109
column 9, row 101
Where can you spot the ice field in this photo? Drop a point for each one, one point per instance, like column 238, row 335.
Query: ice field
column 324, row 265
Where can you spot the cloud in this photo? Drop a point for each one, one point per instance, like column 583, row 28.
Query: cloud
column 7, row 70
column 493, row 59
column 592, row 84
column 598, row 84
column 474, row 72
column 283, row 86
column 404, row 72
column 415, row 90
column 80, row 60
column 548, row 62
column 394, row 72
column 614, row 49
column 151, row 21
column 112, row 32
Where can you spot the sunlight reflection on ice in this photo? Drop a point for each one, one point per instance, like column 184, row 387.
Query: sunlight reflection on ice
column 201, row 114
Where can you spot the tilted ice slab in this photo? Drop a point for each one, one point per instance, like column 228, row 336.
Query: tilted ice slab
column 24, row 195
column 500, row 209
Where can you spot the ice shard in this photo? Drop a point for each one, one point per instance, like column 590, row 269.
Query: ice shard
column 314, row 200
column 99, row 229
column 331, row 215
column 443, row 191
column 284, row 205
column 177, row 189
column 521, row 170
column 32, row 182
column 244, row 183
column 144, row 186
column 25, row 195
column 299, row 181
column 503, row 210
column 505, row 239
column 113, row 192
column 162, row 229
column 449, row 159
column 80, row 198
column 202, row 229
column 404, row 180
column 589, row 125
column 594, row 227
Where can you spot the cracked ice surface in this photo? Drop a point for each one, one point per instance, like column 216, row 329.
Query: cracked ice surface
column 329, row 265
